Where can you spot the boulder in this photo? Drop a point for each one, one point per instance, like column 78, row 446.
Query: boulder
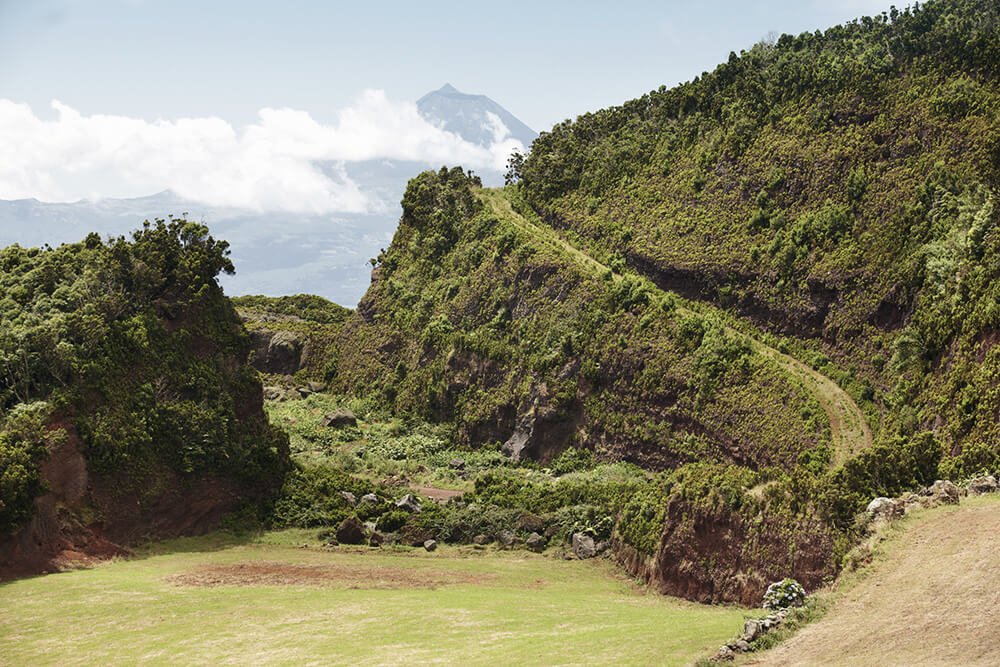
column 531, row 523
column 316, row 387
column 741, row 645
column 456, row 464
column 536, row 542
column 281, row 352
column 583, row 546
column 339, row 418
column 505, row 537
column 369, row 498
column 430, row 545
column 981, row 485
column 946, row 491
column 272, row 393
column 376, row 540
column 481, row 539
column 408, row 503
column 351, row 531
column 752, row 629
column 349, row 497
column 885, row 509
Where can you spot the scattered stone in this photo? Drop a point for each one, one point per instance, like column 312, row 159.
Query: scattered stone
column 351, row 531
column 349, row 497
column 316, row 387
column 885, row 509
column 725, row 654
column 272, row 393
column 741, row 646
column 946, row 491
column 583, row 546
column 481, row 539
column 369, row 498
column 430, row 545
column 305, row 391
column 981, row 485
column 456, row 464
column 408, row 503
column 332, row 542
column 339, row 418
column 536, row 542
column 505, row 537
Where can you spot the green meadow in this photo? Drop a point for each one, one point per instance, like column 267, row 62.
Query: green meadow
column 269, row 600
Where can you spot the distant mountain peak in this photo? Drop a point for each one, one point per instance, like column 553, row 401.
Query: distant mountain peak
column 475, row 118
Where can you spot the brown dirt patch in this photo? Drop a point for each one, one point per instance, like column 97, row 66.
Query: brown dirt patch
column 373, row 577
column 436, row 494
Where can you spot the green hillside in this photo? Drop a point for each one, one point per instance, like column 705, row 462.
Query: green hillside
column 774, row 285
column 835, row 187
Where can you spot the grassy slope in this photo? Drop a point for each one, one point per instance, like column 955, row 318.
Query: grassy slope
column 499, row 320
column 929, row 598
column 849, row 428
column 521, row 609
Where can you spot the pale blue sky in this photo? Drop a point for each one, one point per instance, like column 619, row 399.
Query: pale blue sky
column 544, row 61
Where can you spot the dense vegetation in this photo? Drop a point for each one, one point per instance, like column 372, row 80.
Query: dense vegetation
column 131, row 345
column 471, row 320
column 837, row 187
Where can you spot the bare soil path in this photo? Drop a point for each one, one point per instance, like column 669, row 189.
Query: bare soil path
column 849, row 429
column 933, row 600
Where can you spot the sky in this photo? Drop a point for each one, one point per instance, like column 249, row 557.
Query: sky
column 232, row 102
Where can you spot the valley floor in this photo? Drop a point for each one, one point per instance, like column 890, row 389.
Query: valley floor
column 933, row 599
column 270, row 601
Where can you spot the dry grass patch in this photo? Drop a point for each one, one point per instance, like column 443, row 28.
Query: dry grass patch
column 932, row 598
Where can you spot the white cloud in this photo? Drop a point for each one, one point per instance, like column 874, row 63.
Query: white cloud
column 268, row 165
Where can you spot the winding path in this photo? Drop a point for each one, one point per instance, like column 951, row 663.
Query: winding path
column 849, row 429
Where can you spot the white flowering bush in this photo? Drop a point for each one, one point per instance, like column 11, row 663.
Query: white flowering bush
column 783, row 594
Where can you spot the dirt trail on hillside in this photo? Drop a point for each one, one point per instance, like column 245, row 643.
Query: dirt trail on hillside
column 849, row 429
column 935, row 600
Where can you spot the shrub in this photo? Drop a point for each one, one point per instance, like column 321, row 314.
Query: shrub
column 392, row 521
column 783, row 594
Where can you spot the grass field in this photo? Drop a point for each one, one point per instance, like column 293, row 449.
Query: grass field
column 265, row 601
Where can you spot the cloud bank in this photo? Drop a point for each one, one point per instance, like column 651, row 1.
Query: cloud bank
column 269, row 165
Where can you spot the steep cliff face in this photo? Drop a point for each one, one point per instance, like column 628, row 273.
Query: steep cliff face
column 142, row 418
column 712, row 554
